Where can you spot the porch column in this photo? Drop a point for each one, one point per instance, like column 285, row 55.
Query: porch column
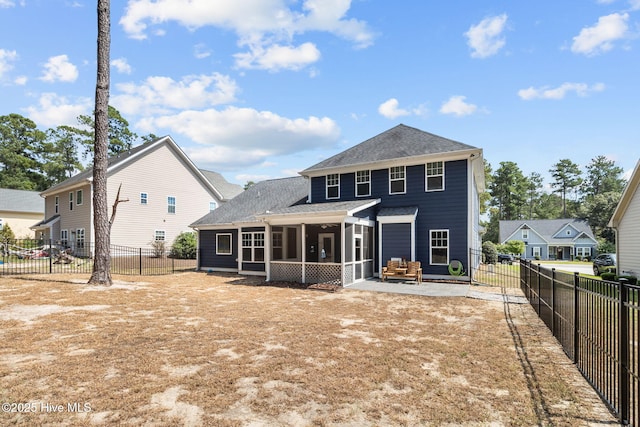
column 267, row 250
column 304, row 252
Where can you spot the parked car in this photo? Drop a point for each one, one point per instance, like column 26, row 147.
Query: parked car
column 604, row 262
column 505, row 258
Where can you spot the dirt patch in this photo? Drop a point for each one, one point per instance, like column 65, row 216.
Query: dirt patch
column 204, row 349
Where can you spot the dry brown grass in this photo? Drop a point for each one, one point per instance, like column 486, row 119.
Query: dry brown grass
column 197, row 349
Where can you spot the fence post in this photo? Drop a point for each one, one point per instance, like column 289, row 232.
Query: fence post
column 140, row 259
column 576, row 317
column 539, row 297
column 623, row 341
column 50, row 257
column 553, row 301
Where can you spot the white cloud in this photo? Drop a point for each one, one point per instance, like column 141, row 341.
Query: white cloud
column 58, row 68
column 600, row 37
column 158, row 94
column 545, row 92
column 7, row 57
column 21, row 80
column 266, row 26
column 201, row 51
column 634, row 4
column 485, row 38
column 390, row 109
column 55, row 110
column 277, row 57
column 121, row 65
column 7, row 3
column 244, row 136
column 457, row 106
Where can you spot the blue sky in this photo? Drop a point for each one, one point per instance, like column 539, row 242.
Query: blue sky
column 259, row 89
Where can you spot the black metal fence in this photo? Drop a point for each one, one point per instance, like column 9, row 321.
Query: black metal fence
column 503, row 274
column 46, row 257
column 596, row 322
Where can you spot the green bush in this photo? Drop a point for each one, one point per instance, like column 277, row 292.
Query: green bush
column 184, row 246
column 489, row 253
column 611, row 277
column 633, row 280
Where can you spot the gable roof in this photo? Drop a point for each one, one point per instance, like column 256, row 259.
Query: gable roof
column 545, row 228
column 627, row 196
column 21, row 201
column 260, row 198
column 399, row 142
column 209, row 179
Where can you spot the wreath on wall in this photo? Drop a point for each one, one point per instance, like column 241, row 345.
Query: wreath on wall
column 456, row 268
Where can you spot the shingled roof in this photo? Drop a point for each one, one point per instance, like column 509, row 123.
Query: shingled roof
column 546, row 228
column 21, row 201
column 260, row 198
column 398, row 142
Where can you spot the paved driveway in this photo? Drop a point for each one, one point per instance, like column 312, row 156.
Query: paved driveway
column 584, row 268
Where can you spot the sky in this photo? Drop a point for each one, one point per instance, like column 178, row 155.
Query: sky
column 259, row 89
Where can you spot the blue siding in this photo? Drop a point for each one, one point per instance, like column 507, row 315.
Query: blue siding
column 397, row 241
column 208, row 257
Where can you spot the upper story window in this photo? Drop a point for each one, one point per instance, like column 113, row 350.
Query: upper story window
column 171, row 204
column 144, row 198
column 57, row 205
column 397, row 180
column 435, row 176
column 333, row 186
column 79, row 197
column 525, row 234
column 363, row 183
column 71, row 201
column 212, row 206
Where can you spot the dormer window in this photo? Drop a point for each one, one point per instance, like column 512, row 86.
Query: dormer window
column 333, row 186
column 397, row 180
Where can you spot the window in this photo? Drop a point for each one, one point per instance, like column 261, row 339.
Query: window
column 71, row 201
column 568, row 232
column 159, row 236
column 79, row 197
column 397, row 178
column 583, row 252
column 1, row 224
column 171, row 204
column 525, row 234
column 536, row 251
column 253, row 247
column 57, row 206
column 440, row 247
column 435, row 176
column 363, row 183
column 223, row 244
column 212, row 206
column 64, row 237
column 333, row 186
column 79, row 238
column 144, row 198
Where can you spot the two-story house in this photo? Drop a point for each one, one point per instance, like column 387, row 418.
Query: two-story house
column 551, row 239
column 404, row 193
column 161, row 193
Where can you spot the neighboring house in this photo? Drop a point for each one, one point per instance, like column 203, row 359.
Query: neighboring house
column 551, row 239
column 626, row 223
column 164, row 193
column 404, row 193
column 20, row 209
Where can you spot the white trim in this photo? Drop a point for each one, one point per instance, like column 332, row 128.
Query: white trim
column 368, row 171
column 404, row 180
column 230, row 244
column 436, row 230
column 426, row 176
column 327, row 186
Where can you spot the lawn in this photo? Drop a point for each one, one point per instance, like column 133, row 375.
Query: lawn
column 224, row 350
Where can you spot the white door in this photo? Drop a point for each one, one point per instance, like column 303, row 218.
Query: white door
column 326, row 247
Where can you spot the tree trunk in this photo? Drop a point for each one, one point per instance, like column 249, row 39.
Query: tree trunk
column 101, row 274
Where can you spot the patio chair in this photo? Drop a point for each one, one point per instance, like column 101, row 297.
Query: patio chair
column 414, row 270
column 390, row 269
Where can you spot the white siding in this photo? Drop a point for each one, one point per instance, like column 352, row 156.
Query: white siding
column 629, row 238
column 159, row 173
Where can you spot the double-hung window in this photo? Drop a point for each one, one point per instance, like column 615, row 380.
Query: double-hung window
column 159, row 236
column 440, row 247
column 64, row 238
column 144, row 198
column 71, row 201
column 223, row 244
column 80, row 238
column 171, row 204
column 253, row 247
column 212, row 206
column 57, row 206
column 333, row 186
column 79, row 197
column 435, row 176
column 363, row 183
column 397, row 180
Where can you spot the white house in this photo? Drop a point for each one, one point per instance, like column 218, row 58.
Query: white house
column 626, row 223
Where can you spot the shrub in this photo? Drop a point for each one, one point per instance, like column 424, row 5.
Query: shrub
column 608, row 276
column 6, row 233
column 184, row 246
column 489, row 253
column 159, row 248
column 633, row 280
